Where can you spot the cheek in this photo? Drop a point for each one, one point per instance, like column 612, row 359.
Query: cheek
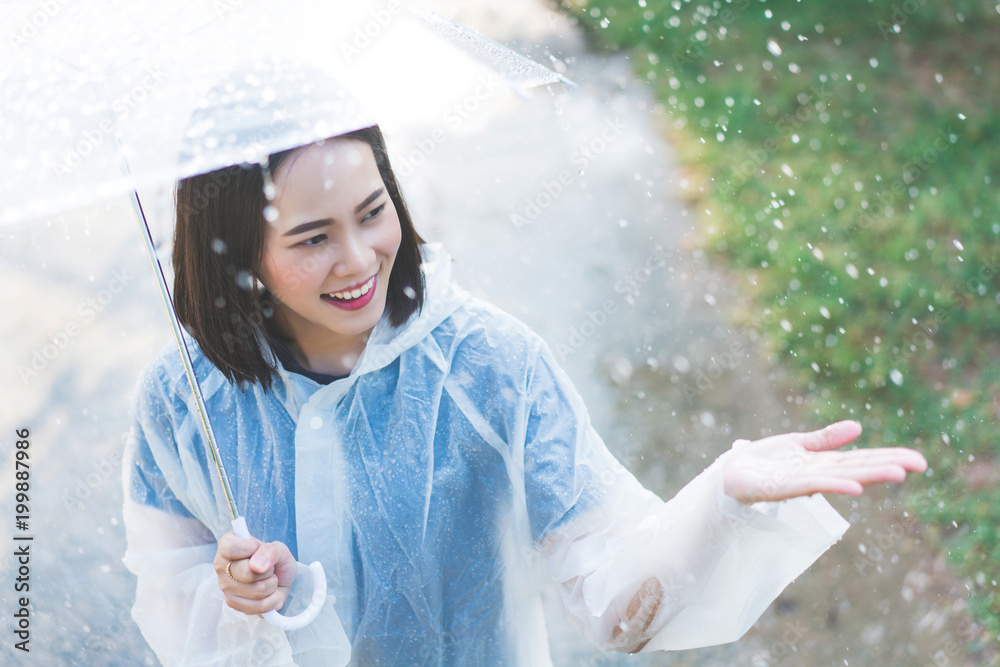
column 393, row 237
column 280, row 276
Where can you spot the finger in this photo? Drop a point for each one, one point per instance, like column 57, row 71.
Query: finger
column 257, row 590
column 909, row 459
column 244, row 574
column 263, row 559
column 237, row 548
column 833, row 436
column 869, row 474
column 251, row 606
column 807, row 486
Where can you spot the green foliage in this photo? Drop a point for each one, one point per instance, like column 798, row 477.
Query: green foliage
column 848, row 156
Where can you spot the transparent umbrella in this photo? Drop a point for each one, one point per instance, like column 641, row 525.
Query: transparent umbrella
column 106, row 99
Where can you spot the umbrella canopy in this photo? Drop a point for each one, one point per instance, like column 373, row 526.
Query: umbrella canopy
column 187, row 87
column 114, row 96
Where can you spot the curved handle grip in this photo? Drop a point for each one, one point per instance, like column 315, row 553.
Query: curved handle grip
column 309, row 614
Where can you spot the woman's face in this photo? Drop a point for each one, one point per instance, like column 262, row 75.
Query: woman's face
column 329, row 250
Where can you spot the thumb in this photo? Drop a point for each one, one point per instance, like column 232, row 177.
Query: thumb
column 833, row 436
column 262, row 560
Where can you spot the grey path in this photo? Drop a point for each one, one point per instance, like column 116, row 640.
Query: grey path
column 564, row 209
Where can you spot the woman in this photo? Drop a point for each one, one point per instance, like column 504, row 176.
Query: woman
column 426, row 448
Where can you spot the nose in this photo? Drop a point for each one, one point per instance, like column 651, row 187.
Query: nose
column 355, row 256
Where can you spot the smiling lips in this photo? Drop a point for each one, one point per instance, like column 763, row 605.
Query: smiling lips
column 353, row 299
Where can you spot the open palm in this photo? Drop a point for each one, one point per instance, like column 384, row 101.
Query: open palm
column 801, row 464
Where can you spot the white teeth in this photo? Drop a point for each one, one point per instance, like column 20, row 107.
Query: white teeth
column 355, row 293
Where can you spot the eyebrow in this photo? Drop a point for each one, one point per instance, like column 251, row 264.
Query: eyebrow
column 309, row 226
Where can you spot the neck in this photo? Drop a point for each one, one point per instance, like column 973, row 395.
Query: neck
column 321, row 350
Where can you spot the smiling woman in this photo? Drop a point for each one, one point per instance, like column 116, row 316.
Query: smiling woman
column 328, row 252
column 426, row 449
column 220, row 258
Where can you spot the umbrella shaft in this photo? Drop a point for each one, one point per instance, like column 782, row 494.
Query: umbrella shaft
column 181, row 339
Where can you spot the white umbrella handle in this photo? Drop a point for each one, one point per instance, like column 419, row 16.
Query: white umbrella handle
column 310, row 613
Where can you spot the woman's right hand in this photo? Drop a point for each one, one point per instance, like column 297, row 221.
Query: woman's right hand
column 262, row 573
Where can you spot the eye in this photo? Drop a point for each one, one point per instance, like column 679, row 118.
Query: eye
column 375, row 212
column 315, row 240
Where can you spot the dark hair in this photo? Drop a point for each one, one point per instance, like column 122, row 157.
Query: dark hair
column 218, row 249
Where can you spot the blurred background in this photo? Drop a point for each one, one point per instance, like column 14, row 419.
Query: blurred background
column 749, row 217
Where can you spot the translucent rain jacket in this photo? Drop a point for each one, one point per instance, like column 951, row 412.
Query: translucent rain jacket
column 445, row 484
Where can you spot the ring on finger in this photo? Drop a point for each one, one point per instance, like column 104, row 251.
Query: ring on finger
column 229, row 572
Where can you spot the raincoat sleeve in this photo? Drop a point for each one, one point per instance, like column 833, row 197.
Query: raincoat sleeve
column 636, row 573
column 179, row 607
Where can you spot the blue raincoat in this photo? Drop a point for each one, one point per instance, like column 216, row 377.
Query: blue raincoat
column 445, row 484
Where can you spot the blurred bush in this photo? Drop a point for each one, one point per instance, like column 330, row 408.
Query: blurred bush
column 846, row 157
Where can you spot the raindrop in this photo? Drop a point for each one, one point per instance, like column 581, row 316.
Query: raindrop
column 958, row 244
column 873, row 62
column 896, row 377
column 710, row 299
column 707, row 419
column 773, row 47
column 621, row 371
column 410, row 292
column 824, row 312
column 218, row 246
column 681, row 363
column 244, row 280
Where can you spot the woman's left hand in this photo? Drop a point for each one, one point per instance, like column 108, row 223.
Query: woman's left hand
column 801, row 464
